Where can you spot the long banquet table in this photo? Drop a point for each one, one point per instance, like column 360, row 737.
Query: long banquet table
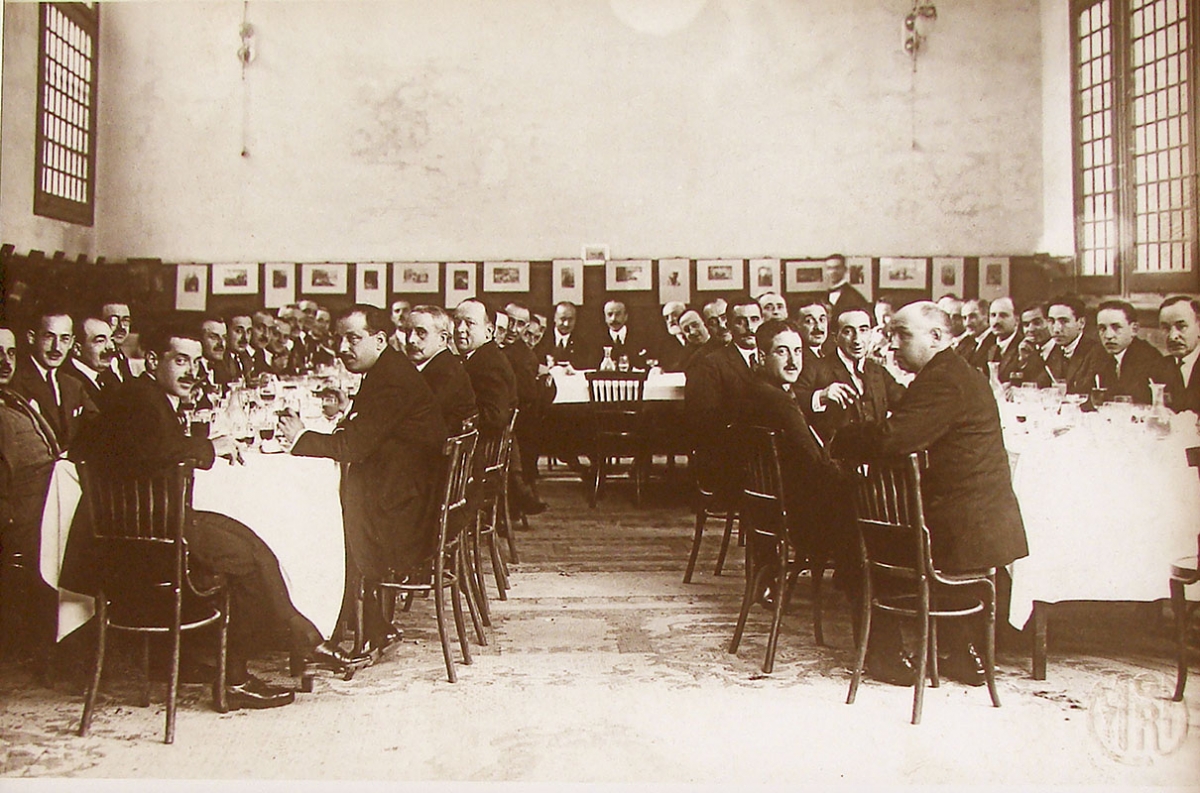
column 1108, row 504
column 292, row 503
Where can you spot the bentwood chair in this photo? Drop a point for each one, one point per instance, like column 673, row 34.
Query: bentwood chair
column 1184, row 572
column 616, row 401
column 449, row 571
column 145, row 583
column 493, row 509
column 710, row 501
column 899, row 577
column 773, row 561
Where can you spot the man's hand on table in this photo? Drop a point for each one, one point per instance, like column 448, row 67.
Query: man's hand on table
column 290, row 426
column 228, row 447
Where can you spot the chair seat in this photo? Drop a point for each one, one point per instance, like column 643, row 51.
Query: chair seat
column 1186, row 569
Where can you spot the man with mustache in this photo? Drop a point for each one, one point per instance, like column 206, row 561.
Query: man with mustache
column 91, row 364
column 1179, row 318
column 60, row 400
column 120, row 319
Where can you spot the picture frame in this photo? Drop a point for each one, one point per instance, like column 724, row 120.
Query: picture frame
column 323, row 279
column 765, row 276
column 720, row 275
column 370, row 284
column 804, row 275
column 594, row 254
column 994, row 273
column 418, row 277
column 567, row 283
column 675, row 280
column 903, row 273
column 628, row 275
column 460, row 283
column 858, row 269
column 191, row 287
column 279, row 284
column 948, row 274
column 235, row 279
column 506, row 276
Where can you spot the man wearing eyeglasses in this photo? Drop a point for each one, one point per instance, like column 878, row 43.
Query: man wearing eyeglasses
column 121, row 321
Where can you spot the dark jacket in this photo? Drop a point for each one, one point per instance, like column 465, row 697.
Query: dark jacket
column 577, row 351
column 1189, row 397
column 714, row 397
column 1142, row 364
column 98, row 394
column 847, row 298
column 1080, row 370
column 880, row 393
column 494, row 384
column 451, row 387
column 973, row 517
column 391, row 442
column 67, row 419
column 1009, row 360
column 636, row 347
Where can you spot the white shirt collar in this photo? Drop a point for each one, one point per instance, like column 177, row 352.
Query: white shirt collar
column 560, row 339
column 1189, row 363
column 618, row 336
column 174, row 400
column 746, row 354
column 87, row 371
column 1046, row 349
column 1069, row 350
column 1006, row 343
column 852, row 366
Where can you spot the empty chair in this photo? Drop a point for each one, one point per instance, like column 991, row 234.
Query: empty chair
column 616, row 400
column 710, row 501
column 899, row 577
column 144, row 580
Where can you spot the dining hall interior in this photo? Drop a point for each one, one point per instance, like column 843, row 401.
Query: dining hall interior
column 173, row 163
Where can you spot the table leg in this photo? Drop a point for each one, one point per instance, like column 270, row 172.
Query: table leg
column 1039, row 640
column 1179, row 607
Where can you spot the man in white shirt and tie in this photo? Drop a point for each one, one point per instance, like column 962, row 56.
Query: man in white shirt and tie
column 91, row 362
column 562, row 345
column 1179, row 318
column 618, row 336
column 60, row 400
column 1003, row 316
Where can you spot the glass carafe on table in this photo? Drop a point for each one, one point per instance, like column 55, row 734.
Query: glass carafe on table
column 1159, row 418
column 607, row 364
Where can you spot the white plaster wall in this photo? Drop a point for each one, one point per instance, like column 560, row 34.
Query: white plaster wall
column 518, row 129
column 18, row 131
column 1058, row 196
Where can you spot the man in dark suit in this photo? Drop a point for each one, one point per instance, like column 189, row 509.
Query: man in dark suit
column 1076, row 358
column 237, row 362
column 714, row 397
column 262, row 326
column 977, row 345
column 847, row 387
column 1179, row 318
column 714, row 313
column 696, row 338
column 91, row 363
column 1035, row 348
column 670, row 345
column 620, row 337
column 39, row 378
column 491, row 374
column 120, row 319
column 842, row 296
column 1132, row 363
column 535, row 393
column 949, row 411
column 773, row 306
column 212, row 370
column 813, row 321
column 429, row 331
column 1005, row 352
column 563, row 344
column 390, row 442
column 142, row 425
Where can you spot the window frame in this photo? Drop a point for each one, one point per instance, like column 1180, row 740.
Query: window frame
column 1125, row 279
column 46, row 203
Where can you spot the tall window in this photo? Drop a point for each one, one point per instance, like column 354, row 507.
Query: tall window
column 1136, row 144
column 65, row 163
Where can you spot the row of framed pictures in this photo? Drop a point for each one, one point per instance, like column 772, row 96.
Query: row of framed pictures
column 458, row 279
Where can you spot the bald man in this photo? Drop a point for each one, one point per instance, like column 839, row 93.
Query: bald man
column 974, row 521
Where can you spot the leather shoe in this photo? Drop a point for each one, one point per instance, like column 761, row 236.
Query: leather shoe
column 329, row 656
column 892, row 668
column 257, row 694
column 381, row 642
column 535, row 507
column 964, row 666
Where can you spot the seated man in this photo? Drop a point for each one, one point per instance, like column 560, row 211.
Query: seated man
column 141, row 424
column 695, row 336
column 390, row 443
column 813, row 321
column 535, row 393
column 714, row 313
column 976, row 345
column 1076, row 358
column 1037, row 345
column 847, row 387
column 41, row 377
column 429, row 330
column 1132, row 363
column 817, row 493
column 91, row 363
column 773, row 306
column 1004, row 327
column 1179, row 318
column 974, row 521
column 670, row 344
column 620, row 337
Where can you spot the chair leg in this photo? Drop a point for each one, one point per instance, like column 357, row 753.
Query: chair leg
column 781, row 587
column 818, row 581
column 697, row 536
column 497, row 566
column 460, row 623
column 511, row 534
column 469, row 592
column 359, row 621
column 485, row 608
column 752, row 576
column 597, row 477
column 922, row 655
column 724, row 543
column 439, row 605
column 173, row 682
column 220, row 695
column 89, row 702
column 935, row 680
column 989, row 644
column 1179, row 609
column 145, row 692
column 864, row 634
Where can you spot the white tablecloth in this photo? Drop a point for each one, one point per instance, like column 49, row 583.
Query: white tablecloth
column 292, row 503
column 660, row 386
column 1107, row 508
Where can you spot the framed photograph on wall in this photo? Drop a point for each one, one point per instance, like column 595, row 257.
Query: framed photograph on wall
column 858, row 268
column 235, row 279
column 191, row 287
column 993, row 277
column 370, row 284
column 594, row 254
column 675, row 280
column 567, row 284
column 628, row 275
column 804, row 275
column 947, row 277
column 724, row 275
column 323, row 279
column 414, row 277
column 765, row 277
column 506, row 276
column 897, row 273
column 460, row 283
column 279, row 282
